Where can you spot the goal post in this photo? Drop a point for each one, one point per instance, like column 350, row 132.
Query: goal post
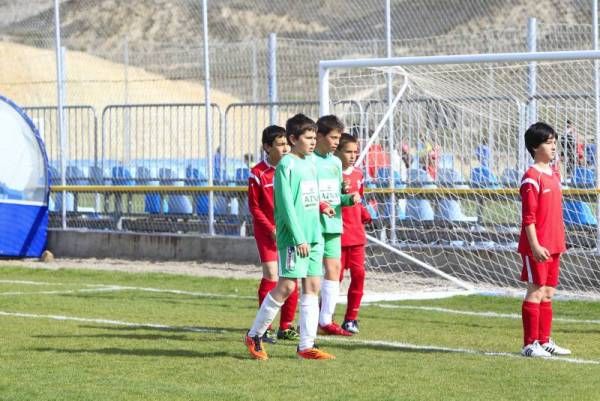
column 442, row 179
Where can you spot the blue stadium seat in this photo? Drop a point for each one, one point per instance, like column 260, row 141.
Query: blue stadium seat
column 511, row 178
column 177, row 204
column 482, row 177
column 419, row 209
column 241, row 175
column 584, row 177
column 121, row 176
column 450, row 209
column 575, row 211
column 153, row 202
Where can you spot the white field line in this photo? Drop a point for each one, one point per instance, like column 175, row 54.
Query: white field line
column 479, row 314
column 114, row 287
column 28, row 282
column 61, row 292
column 400, row 345
column 372, row 343
column 111, row 322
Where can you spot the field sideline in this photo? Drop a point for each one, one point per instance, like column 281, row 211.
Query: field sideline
column 79, row 334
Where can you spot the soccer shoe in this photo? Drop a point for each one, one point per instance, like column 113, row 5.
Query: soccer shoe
column 254, row 345
column 313, row 353
column 288, row 334
column 351, row 326
column 534, row 350
column 554, row 349
column 269, row 337
column 333, row 329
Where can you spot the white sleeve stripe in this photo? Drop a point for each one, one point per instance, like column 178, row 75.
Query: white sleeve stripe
column 532, row 182
column 255, row 178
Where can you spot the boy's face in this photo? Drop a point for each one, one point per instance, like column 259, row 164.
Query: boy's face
column 546, row 151
column 277, row 150
column 329, row 143
column 305, row 143
column 348, row 154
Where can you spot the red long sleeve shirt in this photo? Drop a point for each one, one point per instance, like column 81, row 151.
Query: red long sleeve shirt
column 541, row 199
column 260, row 198
column 354, row 217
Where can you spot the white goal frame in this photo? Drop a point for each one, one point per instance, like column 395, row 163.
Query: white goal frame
column 325, row 66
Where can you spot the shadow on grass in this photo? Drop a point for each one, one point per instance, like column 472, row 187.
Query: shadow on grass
column 354, row 346
column 123, row 336
column 176, row 329
column 176, row 353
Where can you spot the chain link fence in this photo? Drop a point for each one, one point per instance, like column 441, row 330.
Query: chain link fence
column 133, row 83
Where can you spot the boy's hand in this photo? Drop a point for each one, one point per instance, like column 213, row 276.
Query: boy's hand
column 303, row 250
column 355, row 198
column 540, row 253
column 328, row 211
column 274, row 235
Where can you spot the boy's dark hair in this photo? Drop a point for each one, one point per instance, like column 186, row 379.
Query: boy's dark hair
column 329, row 123
column 344, row 139
column 271, row 133
column 298, row 124
column 537, row 134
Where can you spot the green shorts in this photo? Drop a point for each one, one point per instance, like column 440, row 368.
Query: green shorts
column 333, row 246
column 293, row 266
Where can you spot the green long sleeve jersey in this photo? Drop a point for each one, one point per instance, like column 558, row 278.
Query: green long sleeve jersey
column 296, row 193
column 329, row 173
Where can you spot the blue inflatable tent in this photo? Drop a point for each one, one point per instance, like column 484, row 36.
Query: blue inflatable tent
column 24, row 185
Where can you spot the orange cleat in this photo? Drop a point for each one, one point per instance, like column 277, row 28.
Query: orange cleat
column 333, row 329
column 255, row 347
column 314, row 353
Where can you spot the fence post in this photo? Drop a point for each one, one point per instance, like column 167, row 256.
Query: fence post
column 597, row 115
column 272, row 77
column 390, row 99
column 208, row 120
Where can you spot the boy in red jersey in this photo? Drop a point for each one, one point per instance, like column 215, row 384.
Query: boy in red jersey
column 541, row 242
column 260, row 203
column 353, row 237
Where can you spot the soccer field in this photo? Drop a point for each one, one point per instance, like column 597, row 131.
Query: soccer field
column 96, row 335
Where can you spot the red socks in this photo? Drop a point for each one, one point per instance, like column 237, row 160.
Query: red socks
column 530, row 313
column 537, row 321
column 264, row 288
column 288, row 310
column 355, row 292
column 545, row 321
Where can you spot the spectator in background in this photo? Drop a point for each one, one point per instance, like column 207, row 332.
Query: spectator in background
column 249, row 160
column 400, row 161
column 218, row 174
column 428, row 159
column 377, row 158
column 568, row 149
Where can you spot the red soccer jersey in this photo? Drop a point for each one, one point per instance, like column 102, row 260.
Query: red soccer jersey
column 260, row 198
column 541, row 199
column 354, row 217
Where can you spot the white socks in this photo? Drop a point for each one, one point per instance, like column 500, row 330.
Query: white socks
column 309, row 318
column 267, row 312
column 330, row 290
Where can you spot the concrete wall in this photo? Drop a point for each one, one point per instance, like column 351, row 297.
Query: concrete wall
column 102, row 244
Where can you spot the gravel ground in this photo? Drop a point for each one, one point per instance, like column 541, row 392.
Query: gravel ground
column 187, row 268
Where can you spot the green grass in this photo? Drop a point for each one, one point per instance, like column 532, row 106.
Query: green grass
column 49, row 359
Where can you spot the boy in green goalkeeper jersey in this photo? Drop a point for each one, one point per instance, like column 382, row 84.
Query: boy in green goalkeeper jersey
column 299, row 242
column 332, row 197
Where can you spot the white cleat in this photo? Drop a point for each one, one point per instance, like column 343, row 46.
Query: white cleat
column 535, row 350
column 554, row 349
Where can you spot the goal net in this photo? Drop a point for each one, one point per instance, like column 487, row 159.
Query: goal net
column 443, row 153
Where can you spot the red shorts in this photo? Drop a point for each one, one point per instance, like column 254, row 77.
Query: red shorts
column 353, row 257
column 541, row 273
column 267, row 248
